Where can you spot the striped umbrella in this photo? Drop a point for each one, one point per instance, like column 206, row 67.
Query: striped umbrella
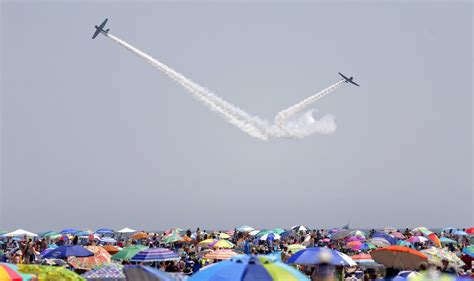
column 109, row 272
column 10, row 271
column 155, row 254
column 171, row 238
column 221, row 254
column 445, row 240
column 243, row 267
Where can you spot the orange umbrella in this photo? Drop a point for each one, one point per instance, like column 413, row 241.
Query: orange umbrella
column 186, row 239
column 100, row 257
column 399, row 257
column 139, row 235
column 433, row 237
column 111, row 249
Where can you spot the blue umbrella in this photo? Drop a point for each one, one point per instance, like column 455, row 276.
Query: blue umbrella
column 155, row 254
column 68, row 231
column 460, row 233
column 68, row 251
column 385, row 236
column 248, row 268
column 287, row 233
column 104, row 231
column 317, row 255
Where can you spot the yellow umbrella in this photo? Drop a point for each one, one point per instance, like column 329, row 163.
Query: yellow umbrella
column 222, row 244
column 205, row 243
column 224, row 235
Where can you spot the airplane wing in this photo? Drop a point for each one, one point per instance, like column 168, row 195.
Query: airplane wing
column 350, row 81
column 343, row 76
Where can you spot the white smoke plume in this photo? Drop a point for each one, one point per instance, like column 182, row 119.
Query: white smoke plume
column 286, row 123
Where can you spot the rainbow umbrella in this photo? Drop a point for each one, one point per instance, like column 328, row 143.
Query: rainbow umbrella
column 243, row 267
column 101, row 257
column 223, row 244
column 10, row 271
column 171, row 238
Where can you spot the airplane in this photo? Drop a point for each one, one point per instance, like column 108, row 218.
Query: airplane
column 346, row 79
column 100, row 29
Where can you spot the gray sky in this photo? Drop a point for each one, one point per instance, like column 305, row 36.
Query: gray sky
column 92, row 136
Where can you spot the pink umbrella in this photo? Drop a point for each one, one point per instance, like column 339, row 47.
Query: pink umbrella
column 419, row 239
column 397, row 235
column 355, row 238
column 326, row 240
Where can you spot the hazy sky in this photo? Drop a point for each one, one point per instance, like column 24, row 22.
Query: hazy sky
column 92, row 136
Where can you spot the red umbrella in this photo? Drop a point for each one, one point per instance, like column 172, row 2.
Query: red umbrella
column 399, row 257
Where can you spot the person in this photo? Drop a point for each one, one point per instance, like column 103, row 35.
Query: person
column 446, row 268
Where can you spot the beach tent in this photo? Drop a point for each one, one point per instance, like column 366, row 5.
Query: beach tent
column 126, row 230
column 20, row 232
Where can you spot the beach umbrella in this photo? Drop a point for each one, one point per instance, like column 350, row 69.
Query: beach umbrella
column 358, row 233
column 434, row 238
column 231, row 232
column 110, row 272
column 206, row 243
column 111, row 249
column 390, row 230
column 352, row 244
column 437, row 255
column 469, row 250
column 460, row 233
column 243, row 267
column 397, row 235
column 51, row 234
column 355, row 238
column 287, row 233
column 103, row 231
column 171, row 238
column 270, row 236
column 100, row 257
column 126, row 230
column 398, row 257
column 139, row 235
column 68, row 251
column 294, row 248
column 379, row 242
column 445, row 240
column 221, row 254
column 155, row 254
column 147, row 273
column 11, row 272
column 45, row 272
column 224, row 236
column 317, row 255
column 107, row 240
column 448, row 229
column 385, row 236
column 173, row 230
column 365, row 260
column 278, row 230
column 417, row 239
column 223, row 244
column 421, row 230
column 20, row 232
column 299, row 228
column 128, row 252
column 245, row 228
column 364, row 247
column 341, row 234
column 185, row 239
column 404, row 243
column 470, row 231
column 254, row 232
column 68, row 231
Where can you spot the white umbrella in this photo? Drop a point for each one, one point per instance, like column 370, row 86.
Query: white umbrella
column 254, row 232
column 20, row 232
column 126, row 230
column 299, row 228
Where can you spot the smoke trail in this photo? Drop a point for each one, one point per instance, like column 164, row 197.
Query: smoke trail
column 283, row 115
column 253, row 125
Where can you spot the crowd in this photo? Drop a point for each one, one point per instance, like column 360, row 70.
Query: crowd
column 447, row 251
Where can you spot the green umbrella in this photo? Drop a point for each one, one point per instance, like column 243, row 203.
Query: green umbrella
column 173, row 237
column 50, row 234
column 44, row 272
column 128, row 252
